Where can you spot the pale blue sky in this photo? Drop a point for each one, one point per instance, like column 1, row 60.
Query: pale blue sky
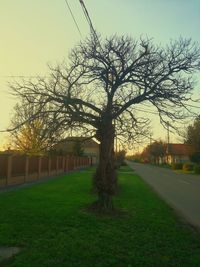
column 34, row 33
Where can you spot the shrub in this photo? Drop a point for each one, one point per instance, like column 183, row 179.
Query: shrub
column 124, row 163
column 195, row 157
column 177, row 166
column 138, row 160
column 197, row 169
column 188, row 167
column 165, row 165
column 144, row 161
column 120, row 157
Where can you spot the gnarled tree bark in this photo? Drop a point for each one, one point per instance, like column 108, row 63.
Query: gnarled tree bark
column 105, row 178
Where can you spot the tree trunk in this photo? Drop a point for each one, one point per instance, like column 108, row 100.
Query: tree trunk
column 105, row 178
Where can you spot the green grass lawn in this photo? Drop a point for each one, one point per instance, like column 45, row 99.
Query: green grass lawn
column 50, row 223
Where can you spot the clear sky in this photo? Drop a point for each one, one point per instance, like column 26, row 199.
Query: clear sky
column 34, row 33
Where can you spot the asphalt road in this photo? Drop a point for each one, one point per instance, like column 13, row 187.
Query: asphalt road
column 181, row 191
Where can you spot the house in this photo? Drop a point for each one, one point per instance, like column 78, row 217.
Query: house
column 89, row 146
column 178, row 153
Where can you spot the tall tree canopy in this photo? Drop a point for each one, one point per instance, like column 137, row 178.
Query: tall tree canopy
column 32, row 133
column 102, row 83
column 154, row 151
column 193, row 134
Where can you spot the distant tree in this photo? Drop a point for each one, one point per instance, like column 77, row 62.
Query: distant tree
column 136, row 157
column 35, row 136
column 120, row 157
column 192, row 135
column 102, row 84
column 78, row 149
column 154, row 151
column 195, row 157
column 28, row 139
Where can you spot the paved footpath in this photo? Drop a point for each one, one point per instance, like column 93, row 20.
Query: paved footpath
column 181, row 191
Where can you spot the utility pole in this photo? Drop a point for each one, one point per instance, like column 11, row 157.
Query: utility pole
column 167, row 142
column 115, row 139
column 116, row 144
column 150, row 139
column 168, row 133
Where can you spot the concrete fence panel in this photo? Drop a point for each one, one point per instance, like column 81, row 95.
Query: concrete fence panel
column 18, row 169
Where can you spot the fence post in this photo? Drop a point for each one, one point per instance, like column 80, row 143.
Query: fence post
column 49, row 166
column 39, row 166
column 73, row 162
column 26, row 168
column 9, row 168
column 57, row 165
column 66, row 164
column 63, row 164
column 79, row 162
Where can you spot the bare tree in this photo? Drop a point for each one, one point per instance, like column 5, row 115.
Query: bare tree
column 102, row 84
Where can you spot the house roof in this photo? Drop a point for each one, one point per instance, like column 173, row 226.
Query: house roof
column 180, row 149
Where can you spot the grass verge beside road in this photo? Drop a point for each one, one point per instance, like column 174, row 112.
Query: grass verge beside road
column 50, row 223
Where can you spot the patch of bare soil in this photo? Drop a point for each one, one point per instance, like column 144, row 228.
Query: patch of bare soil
column 99, row 211
column 7, row 254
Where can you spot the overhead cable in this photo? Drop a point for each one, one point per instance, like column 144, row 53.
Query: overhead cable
column 87, row 16
column 73, row 17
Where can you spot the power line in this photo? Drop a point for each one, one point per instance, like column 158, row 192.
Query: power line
column 149, row 111
column 189, row 105
column 73, row 17
column 87, row 16
column 22, row 76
